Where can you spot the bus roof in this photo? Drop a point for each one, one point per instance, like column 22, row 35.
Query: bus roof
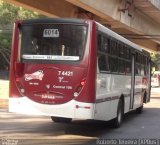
column 118, row 37
column 54, row 20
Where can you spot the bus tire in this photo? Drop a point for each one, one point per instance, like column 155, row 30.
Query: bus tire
column 116, row 123
column 61, row 119
column 139, row 110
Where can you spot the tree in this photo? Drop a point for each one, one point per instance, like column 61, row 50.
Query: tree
column 8, row 15
column 156, row 60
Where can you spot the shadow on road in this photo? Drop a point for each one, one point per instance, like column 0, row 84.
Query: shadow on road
column 80, row 131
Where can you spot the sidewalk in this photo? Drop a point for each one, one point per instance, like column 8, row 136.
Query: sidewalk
column 4, row 90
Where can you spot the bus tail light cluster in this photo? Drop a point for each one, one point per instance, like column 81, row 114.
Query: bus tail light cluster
column 19, row 86
column 79, row 88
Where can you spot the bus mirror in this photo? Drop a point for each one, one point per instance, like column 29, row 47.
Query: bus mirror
column 19, row 69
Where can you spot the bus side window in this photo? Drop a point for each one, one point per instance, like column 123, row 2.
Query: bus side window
column 121, row 66
column 138, row 70
column 128, row 67
column 114, row 64
column 103, row 62
column 121, row 51
column 99, row 42
column 105, row 44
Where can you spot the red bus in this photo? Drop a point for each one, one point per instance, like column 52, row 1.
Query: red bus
column 74, row 68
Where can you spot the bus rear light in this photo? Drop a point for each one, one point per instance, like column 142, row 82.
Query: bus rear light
column 19, row 86
column 17, row 80
column 83, row 83
column 79, row 88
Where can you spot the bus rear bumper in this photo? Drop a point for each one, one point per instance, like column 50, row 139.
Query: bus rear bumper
column 72, row 109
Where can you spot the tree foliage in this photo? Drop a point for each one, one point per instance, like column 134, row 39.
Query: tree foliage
column 156, row 60
column 8, row 15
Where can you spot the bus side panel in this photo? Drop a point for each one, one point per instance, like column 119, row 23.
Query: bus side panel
column 109, row 89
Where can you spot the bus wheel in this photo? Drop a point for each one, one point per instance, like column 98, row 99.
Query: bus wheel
column 61, row 119
column 118, row 120
column 139, row 110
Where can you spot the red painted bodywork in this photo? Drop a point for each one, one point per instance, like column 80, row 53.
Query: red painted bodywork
column 47, row 88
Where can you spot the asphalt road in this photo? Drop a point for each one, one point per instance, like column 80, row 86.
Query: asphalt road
column 18, row 129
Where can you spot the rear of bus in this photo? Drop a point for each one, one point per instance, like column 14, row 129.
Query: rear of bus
column 53, row 68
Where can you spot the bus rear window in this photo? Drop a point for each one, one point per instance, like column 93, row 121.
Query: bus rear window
column 48, row 42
